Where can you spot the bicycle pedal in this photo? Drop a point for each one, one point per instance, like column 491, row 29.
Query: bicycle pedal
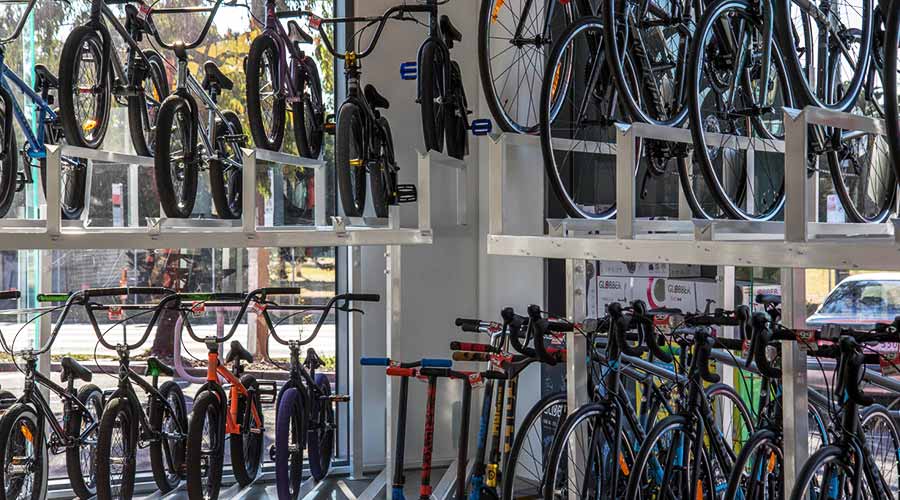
column 337, row 398
column 482, row 126
column 407, row 193
column 272, row 452
column 268, row 392
column 329, row 128
column 409, row 70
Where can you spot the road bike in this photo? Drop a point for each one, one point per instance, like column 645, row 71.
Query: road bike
column 29, row 428
column 305, row 417
column 128, row 423
column 280, row 73
column 180, row 155
column 73, row 171
column 92, row 75
column 363, row 140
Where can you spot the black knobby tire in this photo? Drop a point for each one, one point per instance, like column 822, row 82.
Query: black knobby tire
column 81, row 461
column 143, row 109
column 550, row 406
column 432, row 68
column 72, row 176
column 247, row 447
column 807, row 480
column 290, row 432
column 749, row 460
column 204, row 461
column 176, row 176
column 320, row 441
column 83, row 40
column 383, row 177
column 265, row 136
column 117, row 450
column 309, row 118
column 9, row 159
column 455, row 126
column 225, row 177
column 13, row 435
column 167, row 454
column 350, row 148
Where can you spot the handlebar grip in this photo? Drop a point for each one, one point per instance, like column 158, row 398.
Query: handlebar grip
column 10, row 294
column 362, row 297
column 648, row 332
column 471, row 346
column 466, row 321
column 375, row 361
column 136, row 290
column 494, row 375
column 471, row 356
column 622, row 325
column 281, row 290
column 665, row 310
column 703, row 350
column 470, row 328
column 53, row 297
column 435, row 363
column 396, row 371
column 559, row 326
column 712, row 321
column 730, row 344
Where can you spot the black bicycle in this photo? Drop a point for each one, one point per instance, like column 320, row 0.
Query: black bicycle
column 91, row 76
column 26, row 440
column 159, row 423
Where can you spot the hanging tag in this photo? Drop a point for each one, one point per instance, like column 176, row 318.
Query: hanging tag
column 315, row 21
column 115, row 313
column 476, row 380
column 890, row 363
column 258, row 308
column 745, row 348
column 143, row 12
column 198, row 309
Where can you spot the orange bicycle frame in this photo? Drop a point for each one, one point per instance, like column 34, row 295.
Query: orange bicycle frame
column 215, row 369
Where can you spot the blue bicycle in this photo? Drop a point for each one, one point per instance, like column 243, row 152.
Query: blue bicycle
column 73, row 171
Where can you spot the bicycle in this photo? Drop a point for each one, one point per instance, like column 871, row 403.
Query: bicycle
column 846, row 467
column 280, row 73
column 305, row 417
column 160, row 423
column 73, row 171
column 179, row 155
column 216, row 414
column 91, row 76
column 363, row 140
column 25, row 437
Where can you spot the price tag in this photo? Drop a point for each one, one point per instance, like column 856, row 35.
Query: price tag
column 198, row 309
column 115, row 313
column 476, row 380
column 258, row 308
column 143, row 12
column 890, row 363
column 745, row 348
column 315, row 21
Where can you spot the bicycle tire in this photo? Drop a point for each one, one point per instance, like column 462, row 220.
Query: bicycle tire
column 207, row 420
column 309, row 121
column 290, row 432
column 15, row 419
column 247, row 447
column 94, row 123
column 176, row 201
column 382, row 181
column 72, row 177
column 883, row 441
column 351, row 163
column 760, row 441
column 226, row 180
column 270, row 138
column 807, row 476
column 552, row 406
column 167, row 451
column 9, row 162
column 83, row 477
column 892, row 103
column 746, row 424
column 118, row 416
column 320, row 442
column 143, row 126
column 496, row 99
column 456, row 123
column 433, row 66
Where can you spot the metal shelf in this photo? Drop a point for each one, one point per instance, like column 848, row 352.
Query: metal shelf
column 798, row 243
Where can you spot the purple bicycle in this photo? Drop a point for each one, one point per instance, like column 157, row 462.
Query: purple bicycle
column 280, row 73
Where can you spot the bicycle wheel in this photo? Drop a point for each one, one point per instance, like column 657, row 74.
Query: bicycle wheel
column 456, row 123
column 433, row 93
column 143, row 108
column 290, row 423
column 309, row 119
column 81, row 460
column 524, row 471
column 117, row 442
column 84, row 91
column 265, row 102
column 9, row 161
column 177, row 158
column 247, row 447
column 350, row 159
column 72, row 176
column 728, row 112
column 20, row 433
column 843, row 36
column 383, row 178
column 578, row 140
column 883, row 442
column 657, row 35
column 826, row 475
column 320, row 441
column 758, row 471
column 664, row 467
column 513, row 44
column 891, row 84
column 167, row 453
column 205, row 446
column 581, row 461
column 731, row 414
column 225, row 173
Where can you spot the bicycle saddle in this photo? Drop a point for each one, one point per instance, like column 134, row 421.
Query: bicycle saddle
column 237, row 351
column 72, row 370
column 451, row 34
column 44, row 75
column 154, row 364
column 212, row 75
column 296, row 34
column 375, row 99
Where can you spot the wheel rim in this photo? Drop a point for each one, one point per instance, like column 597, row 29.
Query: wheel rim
column 527, row 475
column 762, row 474
column 209, row 452
column 120, row 452
column 829, row 481
column 884, row 443
column 152, row 102
column 269, row 91
column 296, row 453
column 357, row 153
column 312, row 126
column 180, row 156
column 230, row 156
column 170, row 429
column 21, row 460
column 90, row 92
column 88, row 450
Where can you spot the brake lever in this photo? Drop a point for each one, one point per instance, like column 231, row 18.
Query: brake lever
column 346, row 308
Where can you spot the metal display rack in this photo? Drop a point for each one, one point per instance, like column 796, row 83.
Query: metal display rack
column 53, row 233
column 798, row 243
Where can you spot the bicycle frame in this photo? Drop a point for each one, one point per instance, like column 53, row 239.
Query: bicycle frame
column 274, row 29
column 214, row 370
column 36, row 140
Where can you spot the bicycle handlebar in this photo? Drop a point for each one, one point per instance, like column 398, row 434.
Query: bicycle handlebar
column 22, row 20
column 179, row 44
column 169, row 296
